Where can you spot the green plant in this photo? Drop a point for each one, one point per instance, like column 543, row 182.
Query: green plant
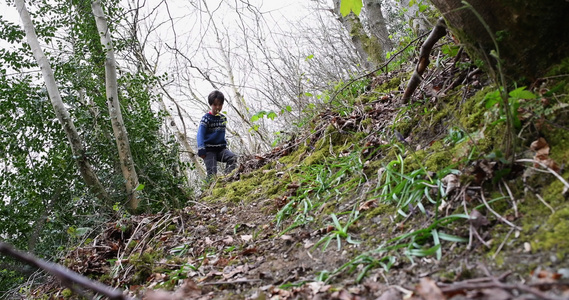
column 318, row 183
column 368, row 261
column 339, row 232
column 515, row 99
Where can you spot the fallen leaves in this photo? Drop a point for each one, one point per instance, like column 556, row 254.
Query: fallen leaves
column 541, row 148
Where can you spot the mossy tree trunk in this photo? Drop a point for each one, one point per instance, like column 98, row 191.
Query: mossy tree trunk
column 377, row 24
column 531, row 35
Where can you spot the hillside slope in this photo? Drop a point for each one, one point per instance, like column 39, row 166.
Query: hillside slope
column 371, row 199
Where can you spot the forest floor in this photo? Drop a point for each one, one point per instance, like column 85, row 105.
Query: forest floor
column 325, row 214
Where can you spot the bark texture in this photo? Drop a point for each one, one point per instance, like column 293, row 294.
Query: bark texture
column 353, row 25
column 531, row 34
column 119, row 130
column 377, row 23
column 85, row 169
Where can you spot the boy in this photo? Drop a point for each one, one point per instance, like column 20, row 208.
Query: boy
column 212, row 146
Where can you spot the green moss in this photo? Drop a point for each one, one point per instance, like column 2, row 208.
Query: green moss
column 143, row 264
column 381, row 209
column 560, row 69
column 389, row 86
column 316, row 157
column 256, row 185
column 295, row 157
column 66, row 293
column 132, row 244
column 553, row 234
column 471, row 113
column 212, row 229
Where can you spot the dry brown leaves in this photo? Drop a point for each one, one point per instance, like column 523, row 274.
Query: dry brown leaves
column 541, row 148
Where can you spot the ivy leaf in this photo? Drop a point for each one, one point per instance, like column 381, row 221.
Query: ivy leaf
column 350, row 5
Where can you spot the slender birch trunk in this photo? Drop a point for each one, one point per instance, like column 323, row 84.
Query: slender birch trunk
column 85, row 169
column 121, row 136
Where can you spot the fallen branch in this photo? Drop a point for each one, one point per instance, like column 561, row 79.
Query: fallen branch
column 66, row 276
column 565, row 183
column 438, row 32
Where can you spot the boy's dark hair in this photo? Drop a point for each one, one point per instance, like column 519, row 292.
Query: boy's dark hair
column 215, row 95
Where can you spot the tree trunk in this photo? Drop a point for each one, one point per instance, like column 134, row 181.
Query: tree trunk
column 85, row 169
column 121, row 136
column 377, row 24
column 352, row 24
column 531, row 35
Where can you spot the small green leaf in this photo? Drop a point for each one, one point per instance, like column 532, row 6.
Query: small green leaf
column 288, row 108
column 139, row 187
column 350, row 5
column 423, row 252
column 521, row 93
column 452, row 238
column 271, row 115
column 492, row 98
column 437, row 242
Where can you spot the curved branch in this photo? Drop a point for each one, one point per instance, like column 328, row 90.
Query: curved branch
column 438, row 32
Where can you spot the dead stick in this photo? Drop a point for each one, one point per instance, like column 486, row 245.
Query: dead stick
column 438, row 32
column 497, row 214
column 66, row 276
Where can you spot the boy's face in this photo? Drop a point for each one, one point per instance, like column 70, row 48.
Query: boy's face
column 216, row 107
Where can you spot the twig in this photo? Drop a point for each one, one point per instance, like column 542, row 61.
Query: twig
column 469, row 246
column 550, row 171
column 545, row 203
column 497, row 214
column 66, row 276
column 511, row 197
column 502, row 244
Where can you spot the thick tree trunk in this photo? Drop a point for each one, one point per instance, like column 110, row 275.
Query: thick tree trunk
column 377, row 23
column 85, row 169
column 531, row 35
column 121, row 136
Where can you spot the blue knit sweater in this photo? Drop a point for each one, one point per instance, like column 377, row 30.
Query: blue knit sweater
column 211, row 133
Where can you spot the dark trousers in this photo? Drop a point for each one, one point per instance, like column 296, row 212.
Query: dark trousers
column 212, row 157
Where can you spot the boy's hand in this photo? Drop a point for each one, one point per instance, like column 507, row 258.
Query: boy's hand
column 201, row 153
